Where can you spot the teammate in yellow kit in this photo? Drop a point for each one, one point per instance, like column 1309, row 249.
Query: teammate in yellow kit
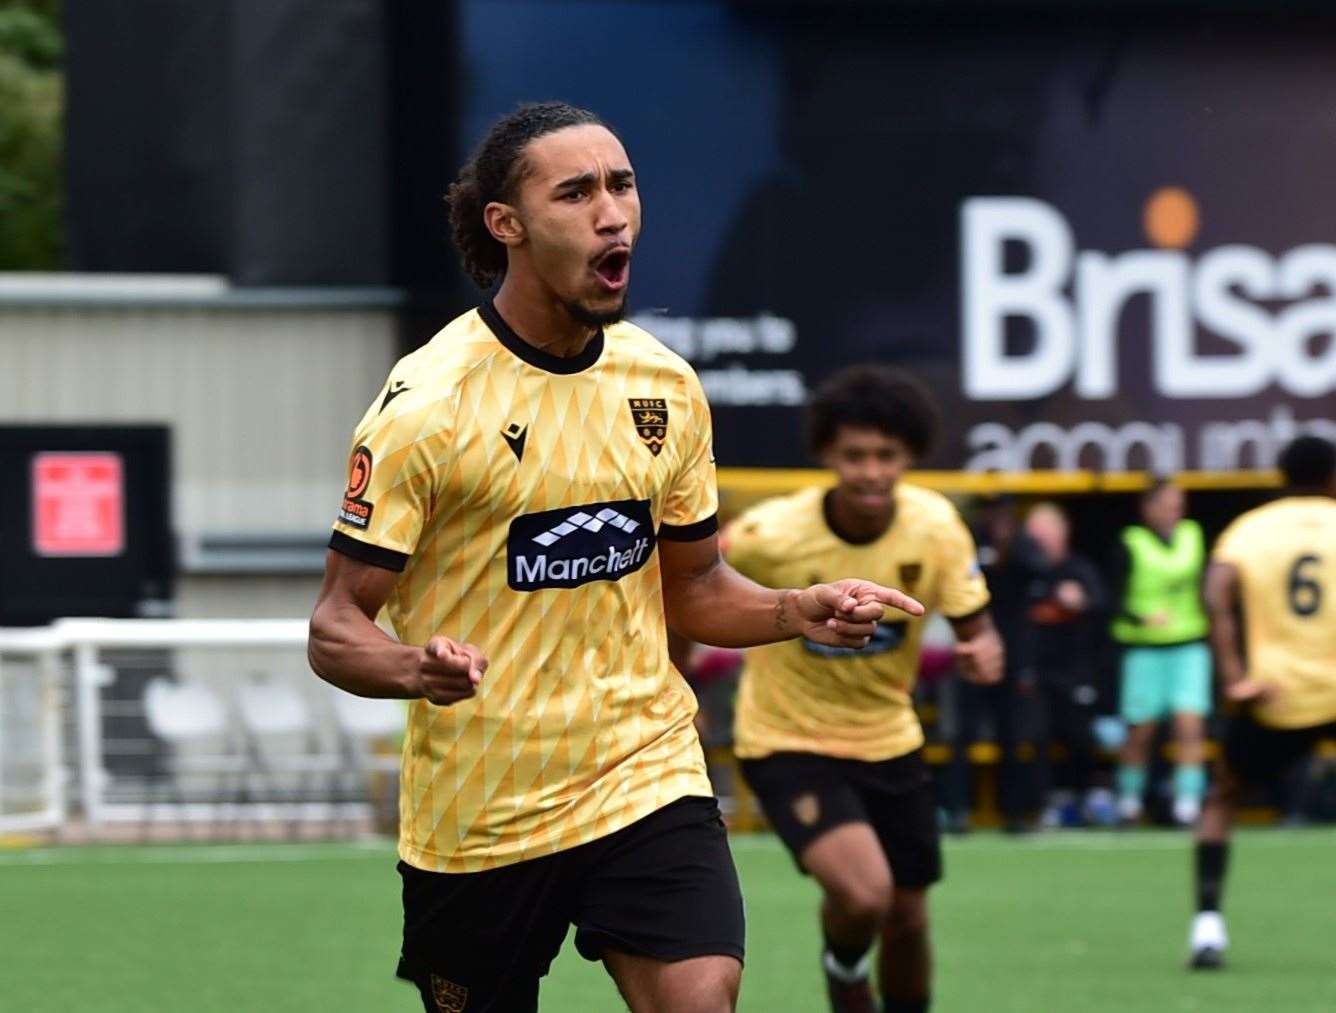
column 828, row 737
column 530, row 495
column 1277, row 564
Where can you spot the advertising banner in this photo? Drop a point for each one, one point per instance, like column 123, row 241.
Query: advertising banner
column 1104, row 255
column 1105, row 241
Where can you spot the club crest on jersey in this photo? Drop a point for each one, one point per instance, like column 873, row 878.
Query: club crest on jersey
column 578, row 545
column 910, row 574
column 650, row 415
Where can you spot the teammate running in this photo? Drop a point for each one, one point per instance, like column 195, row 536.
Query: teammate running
column 828, row 737
column 530, row 494
column 1278, row 565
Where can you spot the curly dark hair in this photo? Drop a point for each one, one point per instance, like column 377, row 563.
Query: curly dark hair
column 875, row 396
column 1309, row 462
column 491, row 175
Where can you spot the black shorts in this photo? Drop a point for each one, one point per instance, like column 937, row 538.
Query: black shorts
column 1262, row 755
column 664, row 887
column 804, row 795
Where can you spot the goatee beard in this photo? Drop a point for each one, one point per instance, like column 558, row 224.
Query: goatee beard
column 596, row 318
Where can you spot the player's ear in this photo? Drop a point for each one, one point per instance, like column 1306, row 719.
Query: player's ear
column 504, row 223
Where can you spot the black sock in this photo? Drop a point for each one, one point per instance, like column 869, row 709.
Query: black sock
column 847, row 956
column 889, row 1005
column 1212, row 860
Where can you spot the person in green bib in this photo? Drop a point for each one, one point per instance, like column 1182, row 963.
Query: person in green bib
column 1166, row 667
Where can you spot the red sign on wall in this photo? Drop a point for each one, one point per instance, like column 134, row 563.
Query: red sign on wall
column 78, row 504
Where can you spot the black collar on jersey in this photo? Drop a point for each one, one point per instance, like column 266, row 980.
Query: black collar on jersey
column 829, row 515
column 536, row 356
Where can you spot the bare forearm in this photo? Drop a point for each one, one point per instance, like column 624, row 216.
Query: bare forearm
column 980, row 653
column 722, row 608
column 1221, row 594
column 1224, row 637
column 351, row 652
column 978, row 624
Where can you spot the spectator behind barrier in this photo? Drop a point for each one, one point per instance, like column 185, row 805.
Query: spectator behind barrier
column 1065, row 597
column 1010, row 560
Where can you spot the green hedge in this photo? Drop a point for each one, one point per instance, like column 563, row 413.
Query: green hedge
column 32, row 100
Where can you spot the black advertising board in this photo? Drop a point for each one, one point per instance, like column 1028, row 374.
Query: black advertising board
column 87, row 526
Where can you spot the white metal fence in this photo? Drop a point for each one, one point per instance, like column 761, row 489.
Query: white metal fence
column 109, row 723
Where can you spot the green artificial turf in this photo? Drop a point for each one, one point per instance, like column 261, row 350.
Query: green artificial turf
column 1063, row 922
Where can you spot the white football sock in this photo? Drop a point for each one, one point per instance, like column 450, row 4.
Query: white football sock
column 848, row 975
column 1186, row 810
column 1208, row 931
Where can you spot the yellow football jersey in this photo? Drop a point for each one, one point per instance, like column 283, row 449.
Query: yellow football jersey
column 1285, row 553
column 522, row 496
column 799, row 696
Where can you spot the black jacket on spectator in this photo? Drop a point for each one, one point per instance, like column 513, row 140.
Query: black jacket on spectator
column 1010, row 570
column 1066, row 644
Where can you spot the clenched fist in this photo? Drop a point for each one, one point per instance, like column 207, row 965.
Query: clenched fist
column 449, row 672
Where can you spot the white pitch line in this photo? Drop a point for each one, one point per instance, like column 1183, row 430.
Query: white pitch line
column 203, row 854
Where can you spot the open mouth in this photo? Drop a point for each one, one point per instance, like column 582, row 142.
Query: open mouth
column 613, row 267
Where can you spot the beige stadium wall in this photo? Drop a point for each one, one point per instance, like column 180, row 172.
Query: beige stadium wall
column 260, row 389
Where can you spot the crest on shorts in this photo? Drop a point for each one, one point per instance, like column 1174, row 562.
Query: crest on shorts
column 807, row 809
column 449, row 997
column 650, row 415
column 910, row 574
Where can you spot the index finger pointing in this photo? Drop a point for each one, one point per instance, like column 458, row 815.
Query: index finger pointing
column 899, row 600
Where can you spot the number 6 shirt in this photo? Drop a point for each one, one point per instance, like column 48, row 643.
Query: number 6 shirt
column 1285, row 554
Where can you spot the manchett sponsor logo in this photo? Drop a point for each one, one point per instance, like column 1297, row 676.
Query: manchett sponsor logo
column 578, row 545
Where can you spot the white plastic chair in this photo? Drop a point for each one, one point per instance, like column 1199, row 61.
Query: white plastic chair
column 362, row 723
column 282, row 738
column 193, row 721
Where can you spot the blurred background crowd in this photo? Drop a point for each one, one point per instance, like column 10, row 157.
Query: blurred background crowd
column 1067, row 738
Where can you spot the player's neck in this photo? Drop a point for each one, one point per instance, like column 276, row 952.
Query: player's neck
column 540, row 320
column 854, row 526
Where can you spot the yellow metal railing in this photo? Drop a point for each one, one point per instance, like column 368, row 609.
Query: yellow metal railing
column 779, row 480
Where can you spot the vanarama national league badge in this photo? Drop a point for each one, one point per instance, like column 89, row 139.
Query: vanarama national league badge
column 355, row 510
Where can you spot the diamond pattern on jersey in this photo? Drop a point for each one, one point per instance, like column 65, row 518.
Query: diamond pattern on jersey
column 581, row 725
